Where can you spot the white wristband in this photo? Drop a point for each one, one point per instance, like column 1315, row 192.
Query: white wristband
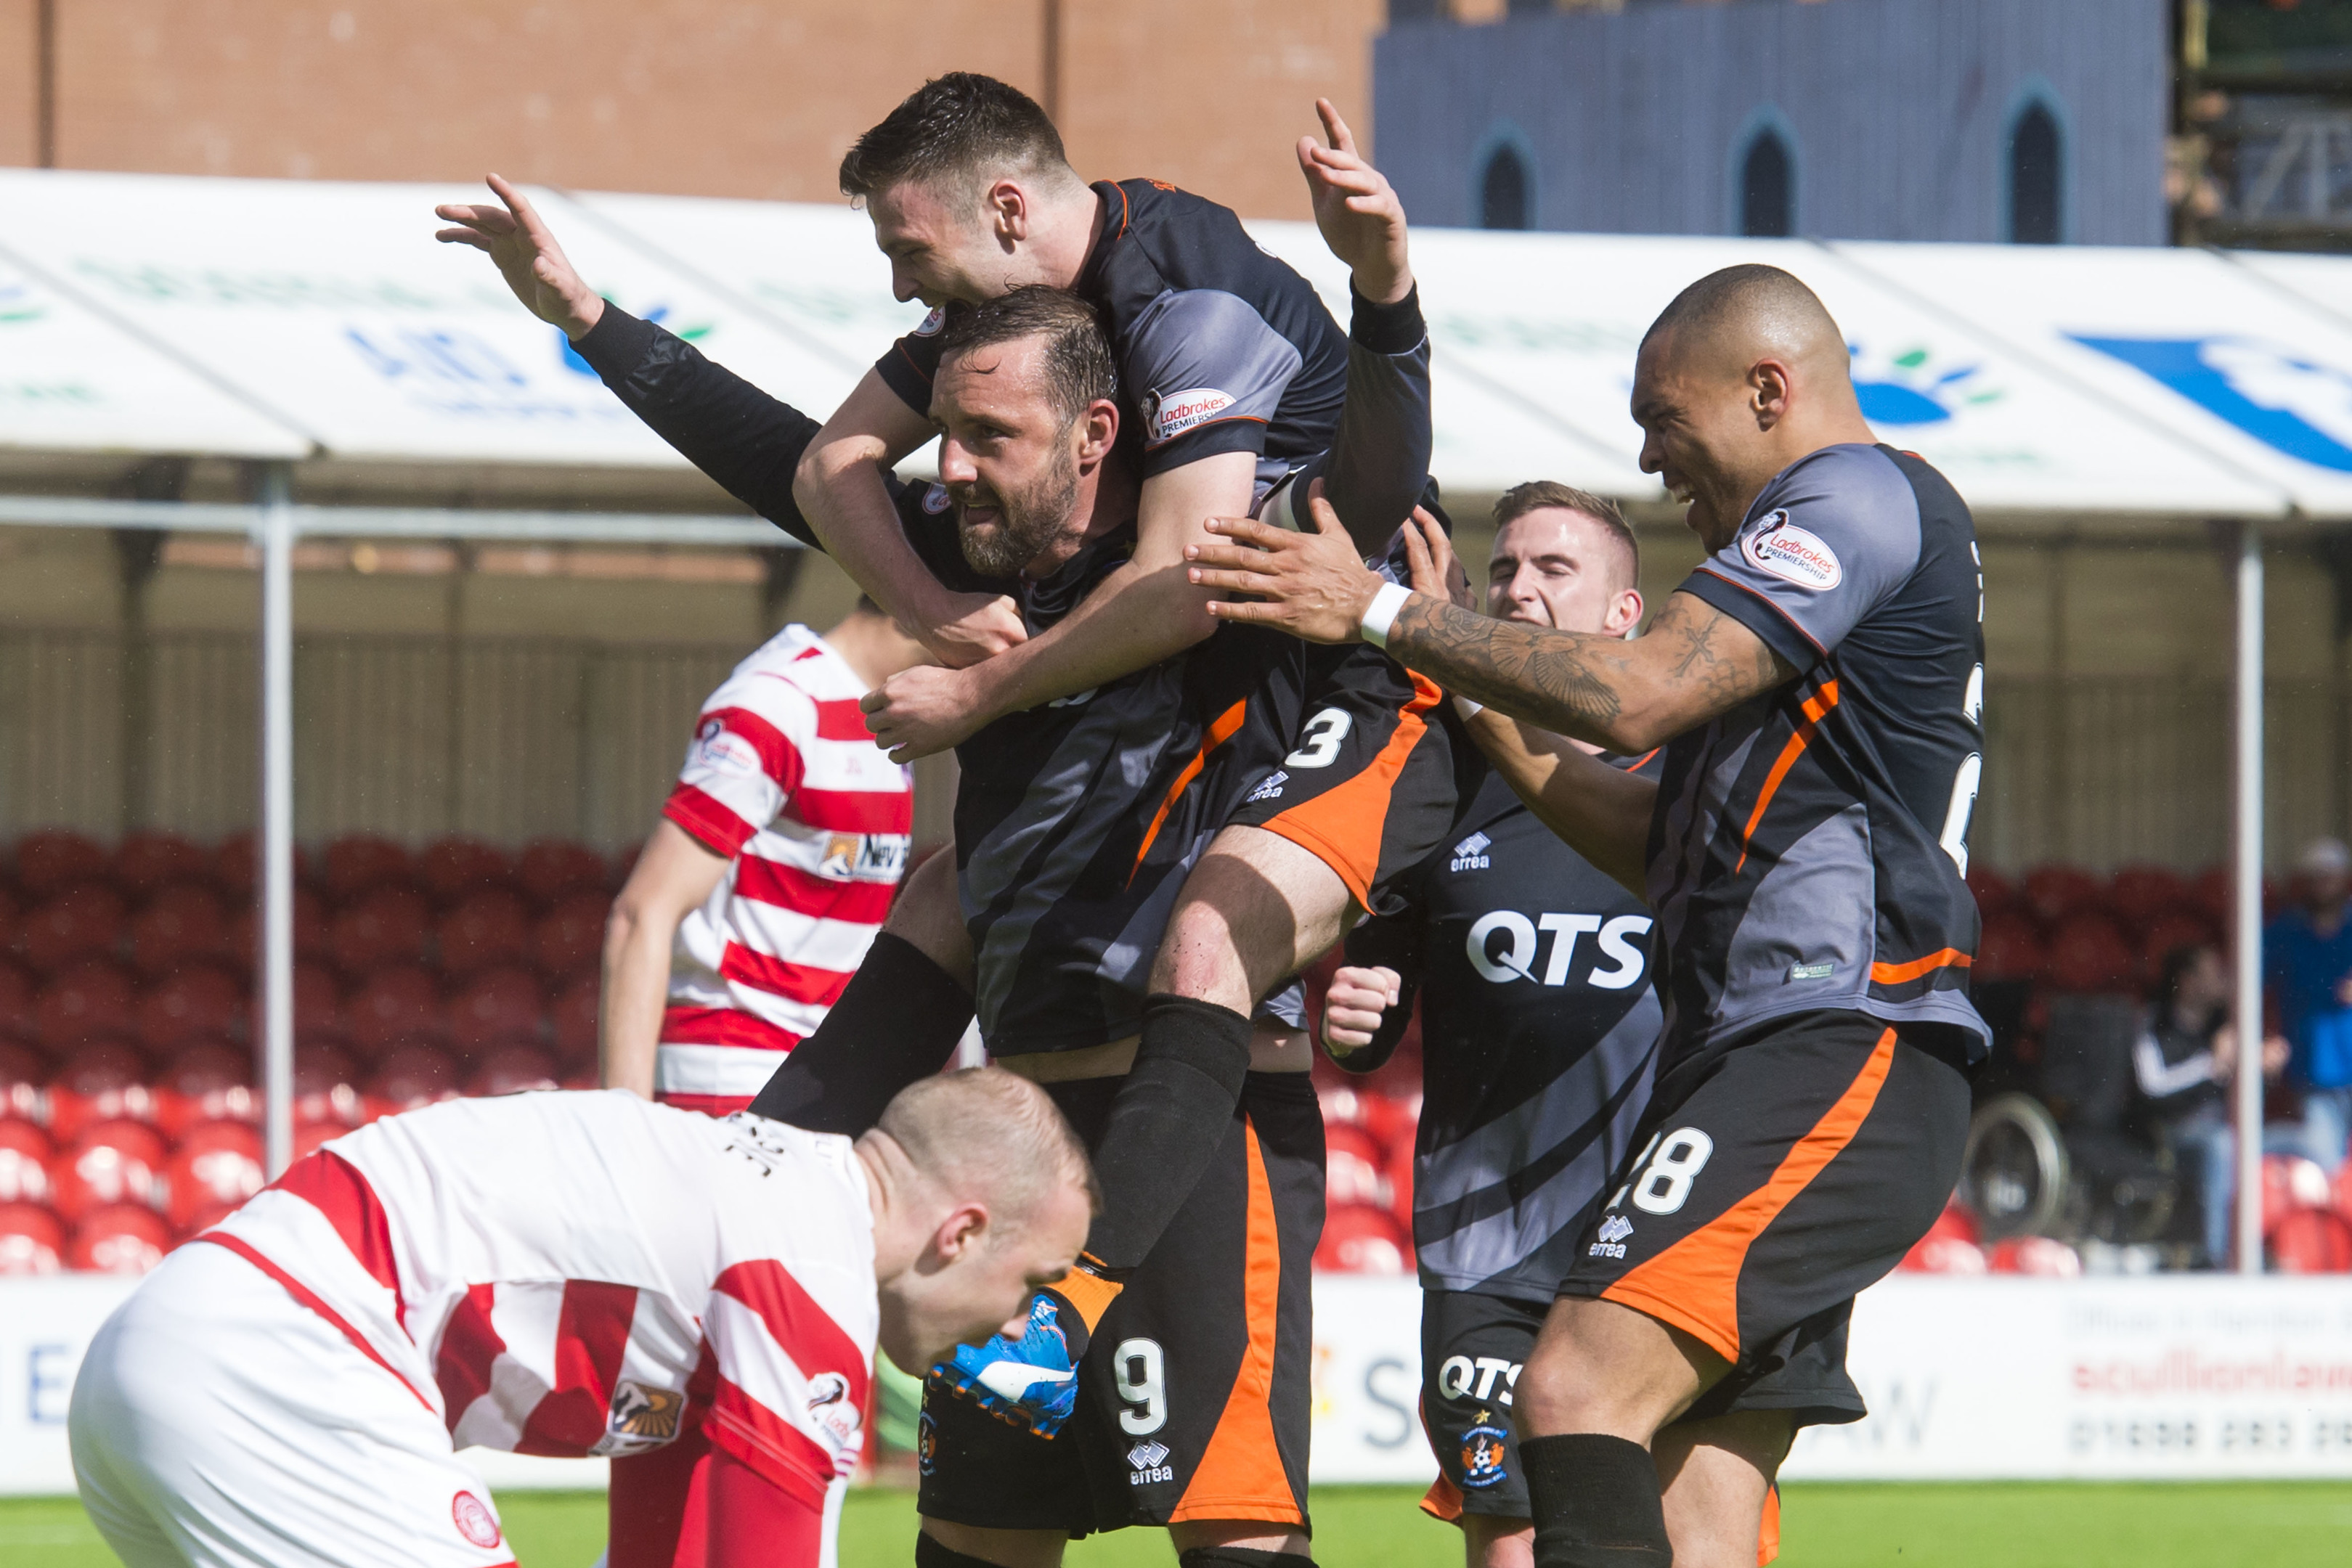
column 1381, row 612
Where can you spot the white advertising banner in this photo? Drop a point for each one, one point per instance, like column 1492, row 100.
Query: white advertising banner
column 2206, row 349
column 331, row 307
column 70, row 381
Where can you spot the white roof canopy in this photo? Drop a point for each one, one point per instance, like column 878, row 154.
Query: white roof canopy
column 277, row 319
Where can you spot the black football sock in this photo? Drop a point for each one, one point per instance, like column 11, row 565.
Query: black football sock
column 897, row 1021
column 1167, row 1122
column 931, row 1552
column 1596, row 1502
column 1241, row 1557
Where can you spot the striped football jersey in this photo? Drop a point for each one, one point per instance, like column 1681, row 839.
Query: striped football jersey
column 784, row 779
column 577, row 1273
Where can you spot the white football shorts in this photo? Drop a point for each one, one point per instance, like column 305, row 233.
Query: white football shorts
column 218, row 1421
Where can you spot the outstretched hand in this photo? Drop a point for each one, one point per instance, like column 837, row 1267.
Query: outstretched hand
column 534, row 265
column 1361, row 219
column 1311, row 585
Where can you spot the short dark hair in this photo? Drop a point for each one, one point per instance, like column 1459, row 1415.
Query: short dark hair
column 958, row 126
column 1079, row 365
column 1539, row 494
column 1747, row 292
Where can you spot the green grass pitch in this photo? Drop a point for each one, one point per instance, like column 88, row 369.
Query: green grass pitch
column 2178, row 1525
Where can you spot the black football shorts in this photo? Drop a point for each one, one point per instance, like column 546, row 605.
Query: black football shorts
column 1473, row 1347
column 1775, row 1178
column 1368, row 785
column 1193, row 1397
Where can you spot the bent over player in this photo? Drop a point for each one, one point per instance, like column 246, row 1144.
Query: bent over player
column 1540, row 1028
column 1818, row 683
column 759, row 891
column 565, row 1274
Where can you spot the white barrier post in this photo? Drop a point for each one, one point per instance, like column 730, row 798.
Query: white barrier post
column 2246, row 879
column 276, row 868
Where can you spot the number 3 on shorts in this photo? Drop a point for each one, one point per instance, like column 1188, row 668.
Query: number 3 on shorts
column 1663, row 1179
column 1141, row 1373
column 1319, row 741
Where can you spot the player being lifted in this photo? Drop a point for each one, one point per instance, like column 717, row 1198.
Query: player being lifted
column 565, row 1274
column 1818, row 685
column 1539, row 1028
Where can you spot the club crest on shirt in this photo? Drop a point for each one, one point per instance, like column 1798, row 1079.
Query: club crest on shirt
column 1791, row 553
column 927, row 1443
column 1483, row 1449
column 474, row 1520
column 641, row 1417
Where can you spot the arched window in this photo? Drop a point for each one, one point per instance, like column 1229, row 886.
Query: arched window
column 1768, row 188
column 2036, row 177
column 1503, row 190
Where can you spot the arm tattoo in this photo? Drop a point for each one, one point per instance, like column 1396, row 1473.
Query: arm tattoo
column 1576, row 683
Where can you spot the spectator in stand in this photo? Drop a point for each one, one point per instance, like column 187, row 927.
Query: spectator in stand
column 2307, row 960
column 765, row 881
column 2183, row 1064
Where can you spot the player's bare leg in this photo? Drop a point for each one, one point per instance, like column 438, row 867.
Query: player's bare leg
column 1718, row 1474
column 1604, row 1368
column 927, row 915
column 1490, row 1541
column 1256, row 910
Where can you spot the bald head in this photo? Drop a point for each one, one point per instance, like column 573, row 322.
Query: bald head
column 1743, row 375
column 1730, row 319
column 989, row 1136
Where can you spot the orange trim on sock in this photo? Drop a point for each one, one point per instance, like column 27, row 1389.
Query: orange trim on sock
column 1089, row 1295
column 1694, row 1285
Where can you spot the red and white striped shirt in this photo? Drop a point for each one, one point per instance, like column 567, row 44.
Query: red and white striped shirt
column 583, row 1272
column 784, row 779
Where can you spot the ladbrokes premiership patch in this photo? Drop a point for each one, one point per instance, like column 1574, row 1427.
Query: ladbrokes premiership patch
column 1792, row 554
column 1166, row 418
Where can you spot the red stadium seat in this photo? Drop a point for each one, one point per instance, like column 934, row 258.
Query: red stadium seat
column 2089, row 956
column 234, row 867
column 186, row 923
column 1400, row 1179
column 217, row 1165
column 124, row 1238
column 511, row 1070
column 1349, row 1102
column 453, row 868
column 2052, row 893
column 500, row 1008
column 147, row 862
column 2340, row 1190
column 318, row 1005
column 93, row 999
column 571, row 936
column 85, row 921
column 199, row 1001
column 2312, row 1241
column 573, row 1017
column 99, row 1081
column 358, row 863
column 1935, row 1254
column 387, row 927
column 402, row 1002
column 206, row 1081
column 25, row 1155
column 489, row 928
column 2139, row 895
column 310, row 1136
column 411, row 1076
column 51, row 859
column 116, row 1161
column 32, row 1239
column 2036, row 1255
column 24, row 1082
column 2181, row 928
column 1993, row 892
column 12, row 916
column 551, row 867
column 2289, row 1185
column 2011, row 948
column 17, row 992
column 1360, row 1240
column 327, row 1088
column 313, row 929
column 1355, row 1167
column 2210, row 892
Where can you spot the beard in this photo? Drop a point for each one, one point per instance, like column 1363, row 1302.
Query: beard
column 1027, row 521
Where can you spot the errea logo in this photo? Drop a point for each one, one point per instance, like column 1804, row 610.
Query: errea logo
column 1470, row 854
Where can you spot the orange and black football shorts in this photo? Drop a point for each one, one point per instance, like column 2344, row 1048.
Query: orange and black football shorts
column 1368, row 785
column 1775, row 1177
column 1193, row 1396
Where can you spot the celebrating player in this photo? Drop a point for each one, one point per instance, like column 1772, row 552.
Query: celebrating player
column 758, row 893
column 566, row 1274
column 1818, row 685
